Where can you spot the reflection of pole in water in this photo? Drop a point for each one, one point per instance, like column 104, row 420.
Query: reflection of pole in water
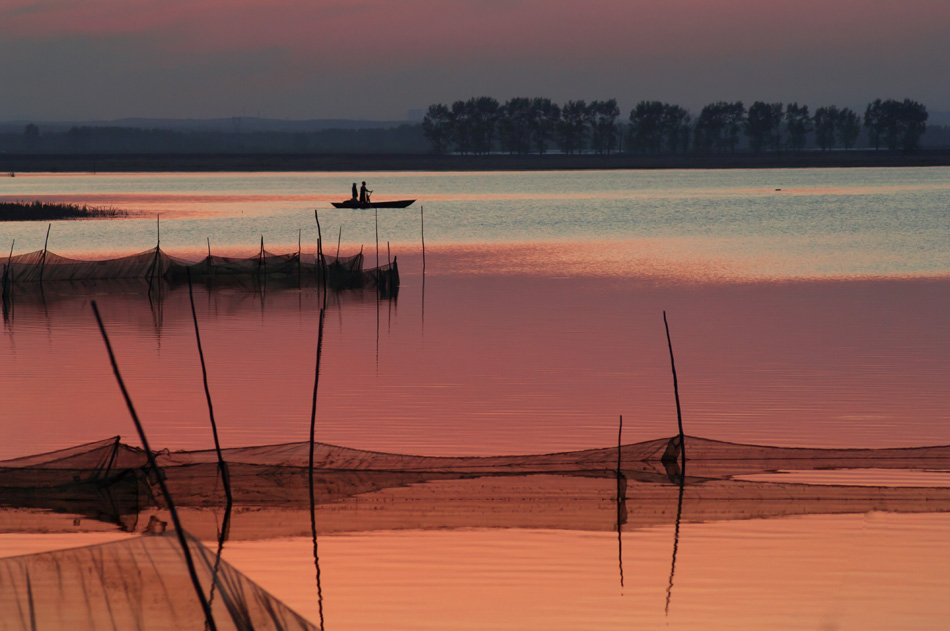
column 313, row 424
column 676, row 538
column 222, row 537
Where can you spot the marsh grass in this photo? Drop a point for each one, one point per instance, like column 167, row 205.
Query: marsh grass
column 43, row 211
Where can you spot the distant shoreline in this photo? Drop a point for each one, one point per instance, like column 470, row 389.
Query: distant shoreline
column 164, row 163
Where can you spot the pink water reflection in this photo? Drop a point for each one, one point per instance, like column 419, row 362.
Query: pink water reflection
column 490, row 363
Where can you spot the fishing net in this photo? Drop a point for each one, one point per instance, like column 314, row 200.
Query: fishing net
column 43, row 265
column 344, row 272
column 340, row 272
column 357, row 490
column 104, row 480
column 140, row 583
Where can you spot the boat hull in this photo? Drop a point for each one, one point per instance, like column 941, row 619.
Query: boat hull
column 400, row 203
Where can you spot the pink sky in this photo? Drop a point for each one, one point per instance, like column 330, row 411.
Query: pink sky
column 378, row 58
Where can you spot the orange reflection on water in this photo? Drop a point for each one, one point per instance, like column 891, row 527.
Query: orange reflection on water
column 847, row 572
column 665, row 260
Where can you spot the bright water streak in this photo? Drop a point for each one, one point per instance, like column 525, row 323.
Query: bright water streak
column 877, row 571
column 743, row 223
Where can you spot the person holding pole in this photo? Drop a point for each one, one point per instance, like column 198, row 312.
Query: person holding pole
column 364, row 194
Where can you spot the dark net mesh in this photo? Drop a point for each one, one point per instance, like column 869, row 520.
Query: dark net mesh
column 358, row 490
column 338, row 272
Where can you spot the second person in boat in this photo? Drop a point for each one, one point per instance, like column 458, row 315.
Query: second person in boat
column 364, row 194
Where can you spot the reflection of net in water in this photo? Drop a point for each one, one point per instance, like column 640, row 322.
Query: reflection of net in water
column 139, row 583
column 360, row 490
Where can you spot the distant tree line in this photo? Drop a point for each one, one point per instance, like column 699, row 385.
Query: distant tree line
column 482, row 125
column 522, row 125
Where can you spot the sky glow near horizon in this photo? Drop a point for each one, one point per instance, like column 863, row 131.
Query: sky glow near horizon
column 377, row 59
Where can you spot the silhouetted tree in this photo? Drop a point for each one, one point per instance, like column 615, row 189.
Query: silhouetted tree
column 572, row 128
column 514, row 132
column 483, row 114
column 646, row 127
column 735, row 119
column 826, row 119
column 708, row 128
column 798, row 124
column 461, row 117
column 602, row 118
column 437, row 127
column 544, row 117
column 778, row 115
column 848, row 127
column 874, row 120
column 676, row 128
column 899, row 124
column 761, row 125
column 911, row 125
column 719, row 125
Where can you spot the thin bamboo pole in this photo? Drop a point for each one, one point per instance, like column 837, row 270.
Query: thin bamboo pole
column 222, row 465
column 45, row 245
column 676, row 393
column 153, row 466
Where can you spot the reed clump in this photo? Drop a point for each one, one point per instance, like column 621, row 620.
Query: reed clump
column 45, row 211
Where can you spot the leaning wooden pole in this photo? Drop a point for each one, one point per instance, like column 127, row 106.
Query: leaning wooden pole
column 153, row 466
column 222, row 465
column 676, row 393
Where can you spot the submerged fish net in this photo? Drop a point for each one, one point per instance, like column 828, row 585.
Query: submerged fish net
column 140, row 583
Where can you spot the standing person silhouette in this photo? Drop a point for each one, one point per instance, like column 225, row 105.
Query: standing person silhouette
column 354, row 192
column 364, row 194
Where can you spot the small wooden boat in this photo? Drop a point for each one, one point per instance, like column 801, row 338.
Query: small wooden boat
column 352, row 203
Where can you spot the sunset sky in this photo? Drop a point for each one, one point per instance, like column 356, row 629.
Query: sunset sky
column 377, row 59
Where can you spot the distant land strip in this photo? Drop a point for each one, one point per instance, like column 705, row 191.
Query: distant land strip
column 11, row 164
column 45, row 211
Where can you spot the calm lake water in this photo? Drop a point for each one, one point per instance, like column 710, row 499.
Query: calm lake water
column 806, row 307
